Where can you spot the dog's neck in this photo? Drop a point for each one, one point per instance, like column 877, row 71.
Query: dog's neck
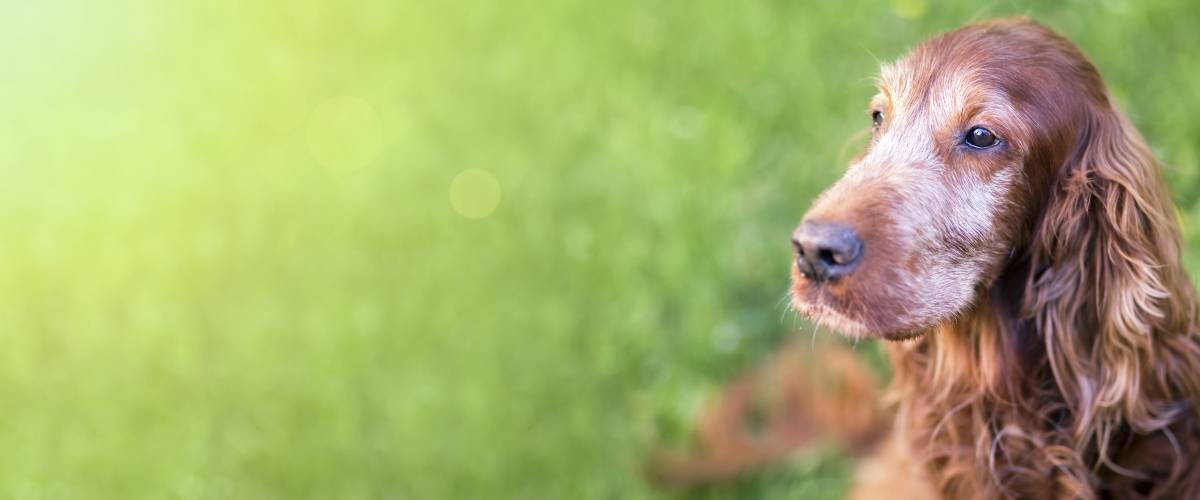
column 956, row 388
column 989, row 340
column 979, row 397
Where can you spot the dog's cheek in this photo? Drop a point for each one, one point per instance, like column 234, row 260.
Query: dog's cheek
column 974, row 234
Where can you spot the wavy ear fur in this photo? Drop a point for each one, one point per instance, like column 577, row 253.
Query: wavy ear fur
column 1109, row 295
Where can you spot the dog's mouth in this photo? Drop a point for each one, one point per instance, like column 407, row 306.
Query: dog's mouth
column 829, row 317
column 823, row 304
column 817, row 302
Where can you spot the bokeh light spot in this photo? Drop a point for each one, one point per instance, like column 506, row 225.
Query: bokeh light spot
column 908, row 9
column 475, row 193
column 344, row 134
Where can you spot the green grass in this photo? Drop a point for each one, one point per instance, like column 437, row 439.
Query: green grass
column 234, row 266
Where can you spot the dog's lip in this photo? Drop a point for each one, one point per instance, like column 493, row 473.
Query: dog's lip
column 818, row 308
column 811, row 295
column 815, row 304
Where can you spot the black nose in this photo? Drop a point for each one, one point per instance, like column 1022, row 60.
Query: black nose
column 825, row 251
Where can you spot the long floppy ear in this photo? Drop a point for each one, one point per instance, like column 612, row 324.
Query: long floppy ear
column 1109, row 295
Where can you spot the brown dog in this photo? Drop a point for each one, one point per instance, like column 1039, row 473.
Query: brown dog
column 1008, row 231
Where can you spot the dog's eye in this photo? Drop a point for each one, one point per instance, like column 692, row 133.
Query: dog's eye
column 877, row 118
column 980, row 138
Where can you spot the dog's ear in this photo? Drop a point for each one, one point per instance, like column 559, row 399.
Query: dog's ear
column 1108, row 285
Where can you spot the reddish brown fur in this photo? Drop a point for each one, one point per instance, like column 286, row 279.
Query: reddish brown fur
column 776, row 396
column 1052, row 347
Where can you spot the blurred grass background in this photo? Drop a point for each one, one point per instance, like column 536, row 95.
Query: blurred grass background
column 461, row 249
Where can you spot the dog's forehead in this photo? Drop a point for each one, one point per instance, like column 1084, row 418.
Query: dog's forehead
column 997, row 70
column 909, row 84
column 940, row 93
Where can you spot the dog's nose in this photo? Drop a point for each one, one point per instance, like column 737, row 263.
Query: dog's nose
column 825, row 251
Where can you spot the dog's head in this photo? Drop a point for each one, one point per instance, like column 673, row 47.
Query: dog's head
column 972, row 132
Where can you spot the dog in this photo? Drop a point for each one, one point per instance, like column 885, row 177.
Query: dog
column 1008, row 235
